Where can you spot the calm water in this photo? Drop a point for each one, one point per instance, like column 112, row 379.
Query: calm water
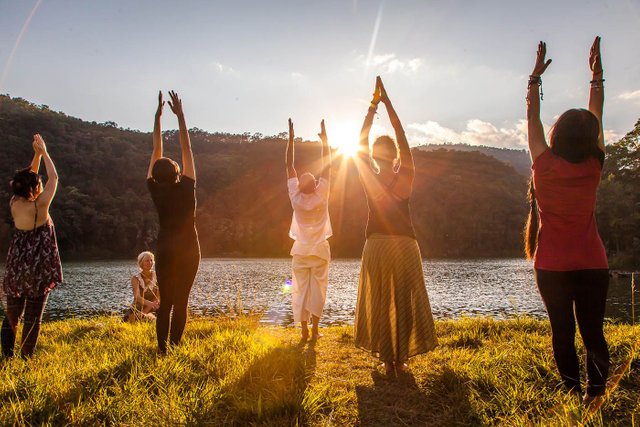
column 500, row 288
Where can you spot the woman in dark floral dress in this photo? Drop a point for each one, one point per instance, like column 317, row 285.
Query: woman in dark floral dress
column 33, row 263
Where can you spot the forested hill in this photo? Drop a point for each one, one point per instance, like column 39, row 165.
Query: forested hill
column 519, row 159
column 465, row 204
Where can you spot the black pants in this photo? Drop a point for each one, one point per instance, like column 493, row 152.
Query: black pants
column 577, row 295
column 176, row 270
column 32, row 309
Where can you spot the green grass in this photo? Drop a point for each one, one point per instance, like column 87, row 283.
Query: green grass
column 235, row 372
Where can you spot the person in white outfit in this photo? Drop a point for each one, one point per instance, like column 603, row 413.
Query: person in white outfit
column 310, row 229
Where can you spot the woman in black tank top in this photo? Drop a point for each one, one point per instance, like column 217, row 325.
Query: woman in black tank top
column 393, row 314
column 178, row 251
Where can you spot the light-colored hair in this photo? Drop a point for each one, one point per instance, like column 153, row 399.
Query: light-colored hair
column 143, row 255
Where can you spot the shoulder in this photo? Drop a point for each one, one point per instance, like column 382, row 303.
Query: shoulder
column 544, row 159
column 292, row 184
column 187, row 184
column 151, row 184
column 135, row 280
column 323, row 183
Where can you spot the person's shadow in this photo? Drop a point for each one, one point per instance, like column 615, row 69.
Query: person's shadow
column 272, row 388
column 400, row 401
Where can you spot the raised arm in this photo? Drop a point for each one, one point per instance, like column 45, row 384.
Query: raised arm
column 596, row 94
column 363, row 152
column 406, row 158
column 326, row 153
column 37, row 156
column 157, row 136
column 291, row 170
column 537, row 141
column 44, row 200
column 363, row 159
column 188, row 166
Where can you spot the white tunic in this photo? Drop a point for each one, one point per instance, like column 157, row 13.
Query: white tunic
column 310, row 224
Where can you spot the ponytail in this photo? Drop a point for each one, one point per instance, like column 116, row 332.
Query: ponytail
column 531, row 228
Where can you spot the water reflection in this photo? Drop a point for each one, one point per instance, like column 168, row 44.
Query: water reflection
column 500, row 288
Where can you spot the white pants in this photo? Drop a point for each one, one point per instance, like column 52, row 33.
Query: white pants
column 310, row 281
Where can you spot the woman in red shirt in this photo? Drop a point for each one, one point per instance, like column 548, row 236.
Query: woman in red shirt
column 562, row 236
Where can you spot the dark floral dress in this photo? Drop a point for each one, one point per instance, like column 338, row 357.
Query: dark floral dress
column 33, row 262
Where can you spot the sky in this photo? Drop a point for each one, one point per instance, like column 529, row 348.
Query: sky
column 455, row 71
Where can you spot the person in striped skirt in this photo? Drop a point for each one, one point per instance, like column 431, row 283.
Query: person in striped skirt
column 393, row 315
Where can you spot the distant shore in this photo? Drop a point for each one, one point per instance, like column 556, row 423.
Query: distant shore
column 237, row 372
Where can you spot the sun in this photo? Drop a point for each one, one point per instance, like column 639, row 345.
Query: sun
column 344, row 137
column 348, row 148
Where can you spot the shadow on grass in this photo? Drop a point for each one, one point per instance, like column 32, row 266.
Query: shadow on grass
column 271, row 391
column 400, row 401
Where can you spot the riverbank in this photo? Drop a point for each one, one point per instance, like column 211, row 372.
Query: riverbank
column 236, row 372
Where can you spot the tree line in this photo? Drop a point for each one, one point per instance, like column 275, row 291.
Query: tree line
column 465, row 204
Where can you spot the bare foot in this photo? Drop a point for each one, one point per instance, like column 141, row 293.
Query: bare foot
column 305, row 334
column 388, row 368
column 401, row 368
column 589, row 400
column 315, row 335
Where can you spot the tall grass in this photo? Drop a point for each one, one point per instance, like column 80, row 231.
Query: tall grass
column 235, row 372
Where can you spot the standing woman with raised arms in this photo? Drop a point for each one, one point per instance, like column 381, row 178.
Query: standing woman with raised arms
column 562, row 236
column 178, row 251
column 33, row 263
column 393, row 314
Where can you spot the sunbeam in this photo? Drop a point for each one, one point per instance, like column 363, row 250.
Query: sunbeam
column 374, row 36
column 25, row 26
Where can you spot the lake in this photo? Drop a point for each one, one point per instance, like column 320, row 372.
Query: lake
column 501, row 288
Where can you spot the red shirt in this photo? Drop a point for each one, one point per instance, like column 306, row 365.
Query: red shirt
column 566, row 195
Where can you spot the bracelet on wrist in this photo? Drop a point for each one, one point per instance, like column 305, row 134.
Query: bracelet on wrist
column 535, row 80
column 597, row 84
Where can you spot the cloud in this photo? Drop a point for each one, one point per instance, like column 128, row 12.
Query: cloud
column 222, row 68
column 476, row 132
column 611, row 136
column 630, row 96
column 390, row 63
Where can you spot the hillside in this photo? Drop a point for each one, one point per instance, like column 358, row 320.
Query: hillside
column 518, row 159
column 465, row 204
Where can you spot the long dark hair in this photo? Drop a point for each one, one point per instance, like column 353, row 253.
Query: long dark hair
column 574, row 136
column 531, row 228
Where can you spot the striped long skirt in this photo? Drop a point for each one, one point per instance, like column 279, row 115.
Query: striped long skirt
column 393, row 314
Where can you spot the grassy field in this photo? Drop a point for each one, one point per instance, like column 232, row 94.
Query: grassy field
column 236, row 372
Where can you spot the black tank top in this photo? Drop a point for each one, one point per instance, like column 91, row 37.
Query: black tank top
column 389, row 215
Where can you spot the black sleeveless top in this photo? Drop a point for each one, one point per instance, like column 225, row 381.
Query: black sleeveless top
column 389, row 215
column 176, row 206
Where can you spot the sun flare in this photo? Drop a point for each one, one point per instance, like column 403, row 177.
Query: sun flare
column 344, row 138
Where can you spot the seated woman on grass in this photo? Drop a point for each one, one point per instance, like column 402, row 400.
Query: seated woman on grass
column 146, row 296
column 562, row 237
